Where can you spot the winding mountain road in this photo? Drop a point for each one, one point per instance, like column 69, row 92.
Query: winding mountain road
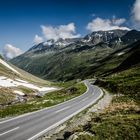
column 32, row 125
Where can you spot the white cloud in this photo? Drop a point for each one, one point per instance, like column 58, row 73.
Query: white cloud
column 61, row 31
column 38, row 39
column 99, row 24
column 119, row 21
column 10, row 51
column 136, row 13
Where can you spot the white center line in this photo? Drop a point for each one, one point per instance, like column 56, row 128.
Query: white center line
column 9, row 131
column 85, row 98
column 62, row 109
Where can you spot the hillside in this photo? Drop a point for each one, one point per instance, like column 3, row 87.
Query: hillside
column 116, row 68
column 17, row 85
column 21, row 92
column 69, row 59
column 121, row 119
column 57, row 66
column 117, row 61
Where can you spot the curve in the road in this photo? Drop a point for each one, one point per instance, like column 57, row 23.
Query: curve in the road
column 32, row 125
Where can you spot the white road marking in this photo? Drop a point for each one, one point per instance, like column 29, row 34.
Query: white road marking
column 62, row 109
column 9, row 131
column 85, row 98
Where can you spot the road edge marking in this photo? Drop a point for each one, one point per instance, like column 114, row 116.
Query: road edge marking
column 62, row 109
column 9, row 131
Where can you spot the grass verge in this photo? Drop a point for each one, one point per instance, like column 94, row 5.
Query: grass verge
column 121, row 120
column 47, row 100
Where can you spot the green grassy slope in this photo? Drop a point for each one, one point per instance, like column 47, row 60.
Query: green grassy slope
column 126, row 82
column 121, row 119
column 4, row 71
column 70, row 90
column 62, row 65
column 7, row 94
column 113, row 62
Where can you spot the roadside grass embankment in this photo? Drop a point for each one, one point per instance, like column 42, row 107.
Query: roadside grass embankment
column 121, row 120
column 70, row 90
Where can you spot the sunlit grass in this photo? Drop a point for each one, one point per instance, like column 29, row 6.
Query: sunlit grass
column 48, row 100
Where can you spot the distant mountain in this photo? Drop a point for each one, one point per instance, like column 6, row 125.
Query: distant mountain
column 131, row 37
column 52, row 45
column 120, row 60
column 91, row 39
column 104, row 36
column 67, row 59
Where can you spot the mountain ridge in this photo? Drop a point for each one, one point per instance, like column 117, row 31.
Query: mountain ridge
column 61, row 62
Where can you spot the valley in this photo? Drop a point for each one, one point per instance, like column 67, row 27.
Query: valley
column 70, row 70
column 113, row 59
column 83, row 57
column 109, row 59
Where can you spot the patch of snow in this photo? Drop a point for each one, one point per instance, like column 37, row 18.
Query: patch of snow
column 84, row 40
column 111, row 32
column 120, row 39
column 21, row 81
column 8, row 66
column 7, row 82
column 46, row 88
column 60, row 44
column 121, row 53
column 87, row 40
column 19, row 92
column 48, row 43
column 2, row 77
column 4, row 82
column 99, row 35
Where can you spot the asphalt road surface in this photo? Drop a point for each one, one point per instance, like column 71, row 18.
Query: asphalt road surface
column 32, row 125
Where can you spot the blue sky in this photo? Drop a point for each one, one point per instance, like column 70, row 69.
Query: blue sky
column 20, row 20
